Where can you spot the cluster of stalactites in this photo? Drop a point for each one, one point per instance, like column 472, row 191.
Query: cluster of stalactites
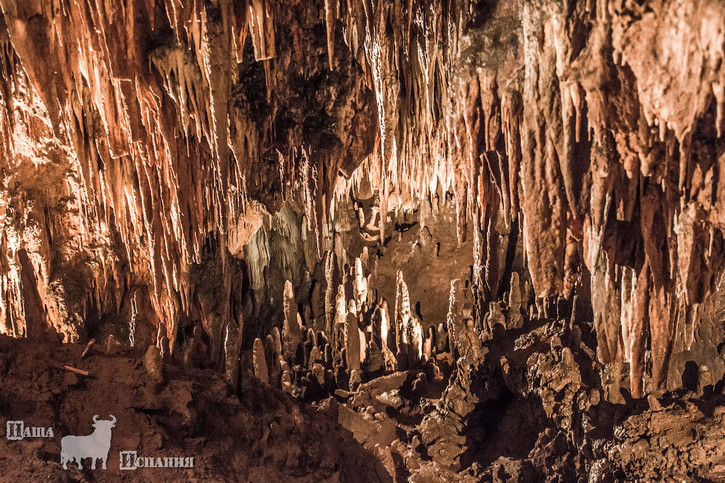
column 412, row 153
column 138, row 127
column 596, row 143
column 652, row 235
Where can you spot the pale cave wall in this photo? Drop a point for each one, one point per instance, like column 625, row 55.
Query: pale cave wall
column 174, row 163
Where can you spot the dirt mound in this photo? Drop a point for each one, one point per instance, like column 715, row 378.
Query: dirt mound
column 262, row 435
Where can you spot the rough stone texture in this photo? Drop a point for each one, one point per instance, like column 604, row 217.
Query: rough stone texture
column 196, row 414
column 213, row 176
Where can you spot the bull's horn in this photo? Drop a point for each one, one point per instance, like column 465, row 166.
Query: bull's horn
column 95, row 418
column 113, row 419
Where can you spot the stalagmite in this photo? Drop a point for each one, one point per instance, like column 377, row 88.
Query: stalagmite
column 162, row 342
column 362, row 345
column 291, row 333
column 387, row 330
column 319, row 372
column 441, row 338
column 639, row 329
column 260, row 361
column 516, row 320
column 407, row 330
column 606, row 297
column 286, row 381
column 277, row 342
column 315, row 357
column 328, row 355
column 271, row 352
column 495, row 317
column 627, row 304
column 360, row 285
column 232, row 348
column 454, row 319
column 472, row 342
column 332, row 280
column 381, row 335
column 340, row 323
column 429, row 344
column 352, row 341
column 153, row 364
column 704, row 379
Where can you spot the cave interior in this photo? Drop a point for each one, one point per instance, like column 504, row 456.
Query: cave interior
column 374, row 240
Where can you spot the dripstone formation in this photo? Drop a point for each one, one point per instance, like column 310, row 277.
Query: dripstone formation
column 484, row 238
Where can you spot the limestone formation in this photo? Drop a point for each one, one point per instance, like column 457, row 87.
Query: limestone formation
column 514, row 302
column 495, row 317
column 177, row 176
column 360, row 285
column 153, row 364
column 291, row 331
column 261, row 371
column 352, row 343
column 232, row 349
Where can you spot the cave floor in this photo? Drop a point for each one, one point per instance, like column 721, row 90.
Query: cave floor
column 530, row 411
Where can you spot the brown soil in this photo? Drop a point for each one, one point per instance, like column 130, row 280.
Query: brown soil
column 263, row 435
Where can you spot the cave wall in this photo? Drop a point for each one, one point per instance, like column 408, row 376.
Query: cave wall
column 140, row 148
column 160, row 141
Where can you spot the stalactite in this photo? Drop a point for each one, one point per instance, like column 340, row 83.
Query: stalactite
column 331, row 7
column 262, row 29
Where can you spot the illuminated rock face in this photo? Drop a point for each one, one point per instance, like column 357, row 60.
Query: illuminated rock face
column 136, row 151
column 174, row 163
